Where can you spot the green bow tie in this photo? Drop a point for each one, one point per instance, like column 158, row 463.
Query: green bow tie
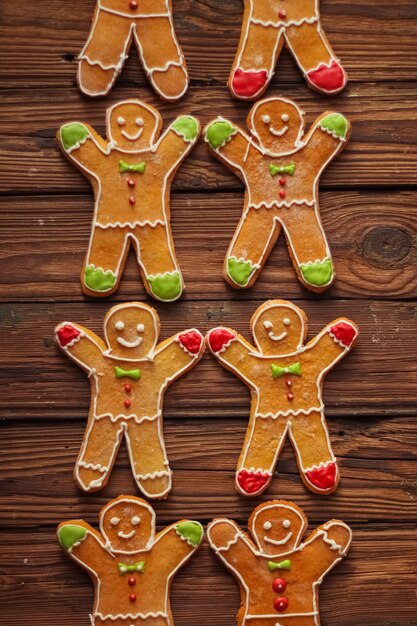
column 282, row 169
column 272, row 566
column 136, row 567
column 137, row 167
column 121, row 373
column 278, row 371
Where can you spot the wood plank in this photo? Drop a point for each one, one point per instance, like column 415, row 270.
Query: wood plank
column 370, row 42
column 373, row 237
column 381, row 151
column 39, row 579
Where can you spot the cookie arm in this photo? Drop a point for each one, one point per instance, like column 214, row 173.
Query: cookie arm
column 179, row 353
column 178, row 140
column 326, row 546
column 228, row 143
column 326, row 138
column 80, row 345
column 230, row 349
column 231, row 545
column 83, row 544
column 81, row 144
column 176, row 544
column 333, row 343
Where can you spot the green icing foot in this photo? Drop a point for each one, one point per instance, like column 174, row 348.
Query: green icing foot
column 187, row 127
column 239, row 271
column 97, row 279
column 191, row 531
column 70, row 534
column 166, row 287
column 336, row 124
column 318, row 274
column 218, row 133
column 73, row 135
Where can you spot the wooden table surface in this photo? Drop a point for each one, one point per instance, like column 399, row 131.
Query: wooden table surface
column 369, row 210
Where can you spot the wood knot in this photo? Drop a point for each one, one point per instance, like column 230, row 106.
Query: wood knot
column 386, row 246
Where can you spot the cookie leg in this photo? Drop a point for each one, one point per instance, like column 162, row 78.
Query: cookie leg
column 148, row 457
column 308, row 247
column 95, row 461
column 254, row 65
column 104, row 262
column 254, row 238
column 162, row 56
column 159, row 268
column 316, row 58
column 264, row 439
column 315, row 458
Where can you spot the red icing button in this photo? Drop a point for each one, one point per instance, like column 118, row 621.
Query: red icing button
column 133, row 4
column 132, row 597
column 280, row 604
column 191, row 341
column 131, row 581
column 279, row 585
column 290, row 396
column 66, row 334
column 282, row 194
column 252, row 482
column 127, row 388
column 127, row 403
column 282, row 14
column 219, row 338
column 248, row 84
column 331, row 79
column 345, row 333
column 282, row 182
column 131, row 182
column 323, row 477
column 132, row 200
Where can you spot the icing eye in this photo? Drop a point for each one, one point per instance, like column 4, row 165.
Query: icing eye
column 285, row 117
column 139, row 121
column 135, row 520
column 266, row 119
column 119, row 325
column 267, row 324
column 140, row 328
column 286, row 321
column 114, row 521
column 121, row 121
column 267, row 526
column 286, row 523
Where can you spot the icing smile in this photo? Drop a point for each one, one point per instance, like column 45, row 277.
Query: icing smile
column 130, row 344
column 132, row 137
column 278, row 133
column 123, row 535
column 277, row 337
column 279, row 542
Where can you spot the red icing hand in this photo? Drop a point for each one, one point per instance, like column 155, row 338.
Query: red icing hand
column 219, row 338
column 191, row 341
column 343, row 332
column 252, row 482
column 323, row 477
column 330, row 79
column 248, row 84
column 66, row 334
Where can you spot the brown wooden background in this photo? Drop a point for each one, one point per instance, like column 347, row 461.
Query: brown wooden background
column 369, row 208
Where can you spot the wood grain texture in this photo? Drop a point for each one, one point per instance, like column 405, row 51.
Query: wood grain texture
column 369, row 211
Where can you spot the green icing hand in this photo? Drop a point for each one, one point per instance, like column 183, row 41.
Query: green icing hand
column 73, row 135
column 191, row 531
column 70, row 534
column 97, row 279
column 187, row 127
column 336, row 124
column 218, row 133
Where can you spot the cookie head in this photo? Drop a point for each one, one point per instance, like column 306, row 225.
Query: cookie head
column 277, row 123
column 277, row 527
column 131, row 331
column 133, row 126
column 128, row 524
column 279, row 328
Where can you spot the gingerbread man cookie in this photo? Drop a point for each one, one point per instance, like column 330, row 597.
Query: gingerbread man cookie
column 279, row 576
column 131, row 175
column 285, row 378
column 281, row 170
column 267, row 26
column 116, row 24
column 128, row 375
column 131, row 568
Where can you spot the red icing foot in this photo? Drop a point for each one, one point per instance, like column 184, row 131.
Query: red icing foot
column 329, row 79
column 248, row 84
column 345, row 333
column 219, row 338
column 66, row 334
column 252, row 482
column 323, row 477
column 191, row 341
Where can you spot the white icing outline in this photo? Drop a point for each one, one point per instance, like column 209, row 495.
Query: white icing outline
column 123, row 430
column 245, row 619
column 124, row 55
column 256, row 392
column 112, row 145
column 281, row 27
